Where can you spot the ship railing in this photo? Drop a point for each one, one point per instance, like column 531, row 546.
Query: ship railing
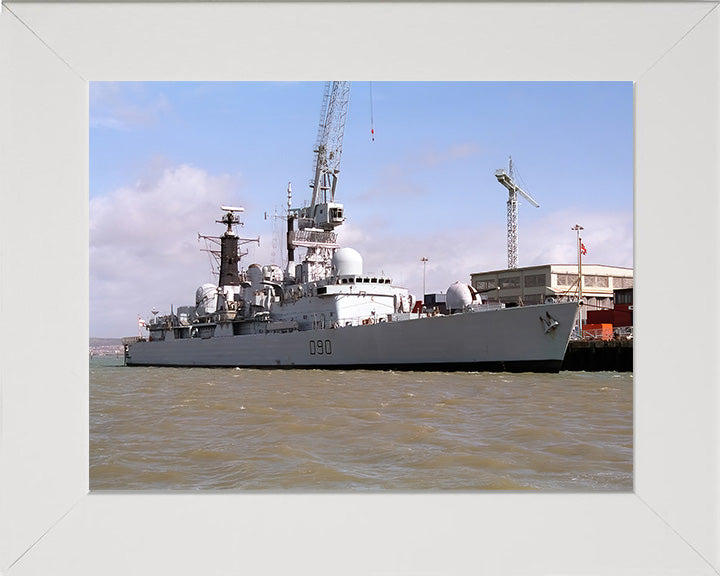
column 594, row 334
column 401, row 316
column 313, row 238
column 619, row 333
column 623, row 332
column 373, row 319
column 485, row 306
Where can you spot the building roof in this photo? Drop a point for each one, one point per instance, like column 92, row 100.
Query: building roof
column 571, row 266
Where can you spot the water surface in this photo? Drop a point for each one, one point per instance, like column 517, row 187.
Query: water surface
column 359, row 430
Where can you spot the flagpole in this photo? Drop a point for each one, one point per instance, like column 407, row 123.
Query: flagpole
column 424, row 261
column 577, row 229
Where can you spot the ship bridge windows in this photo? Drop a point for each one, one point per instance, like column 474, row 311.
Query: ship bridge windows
column 369, row 280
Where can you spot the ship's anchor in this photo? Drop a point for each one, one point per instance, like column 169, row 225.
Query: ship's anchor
column 549, row 322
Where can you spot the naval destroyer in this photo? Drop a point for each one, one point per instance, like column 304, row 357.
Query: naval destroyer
column 324, row 311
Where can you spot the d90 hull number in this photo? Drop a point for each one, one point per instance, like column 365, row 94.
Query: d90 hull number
column 323, row 347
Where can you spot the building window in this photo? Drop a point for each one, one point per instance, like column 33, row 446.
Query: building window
column 624, row 298
column 566, row 279
column 532, row 280
column 595, row 281
column 511, row 282
column 622, row 282
column 485, row 284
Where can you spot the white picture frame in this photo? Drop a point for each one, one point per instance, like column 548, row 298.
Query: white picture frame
column 50, row 523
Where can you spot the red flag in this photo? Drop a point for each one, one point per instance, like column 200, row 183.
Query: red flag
column 582, row 249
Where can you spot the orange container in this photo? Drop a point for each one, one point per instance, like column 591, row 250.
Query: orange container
column 598, row 331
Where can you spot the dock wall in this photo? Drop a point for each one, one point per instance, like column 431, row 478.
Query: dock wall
column 599, row 355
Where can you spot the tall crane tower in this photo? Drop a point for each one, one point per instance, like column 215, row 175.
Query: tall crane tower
column 317, row 222
column 505, row 177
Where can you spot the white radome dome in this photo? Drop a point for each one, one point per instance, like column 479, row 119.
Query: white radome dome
column 458, row 296
column 347, row 262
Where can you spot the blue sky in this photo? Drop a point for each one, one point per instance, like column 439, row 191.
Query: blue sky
column 165, row 155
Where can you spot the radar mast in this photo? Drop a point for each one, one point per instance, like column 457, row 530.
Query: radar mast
column 229, row 254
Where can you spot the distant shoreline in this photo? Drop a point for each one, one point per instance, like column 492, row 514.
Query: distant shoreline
column 105, row 346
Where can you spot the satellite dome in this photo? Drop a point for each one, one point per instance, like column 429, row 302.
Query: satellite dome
column 347, row 262
column 458, row 296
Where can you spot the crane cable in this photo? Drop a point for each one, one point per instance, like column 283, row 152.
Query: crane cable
column 372, row 120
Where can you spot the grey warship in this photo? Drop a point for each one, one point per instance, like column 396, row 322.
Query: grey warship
column 325, row 311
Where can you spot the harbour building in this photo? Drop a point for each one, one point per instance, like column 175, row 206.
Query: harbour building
column 539, row 284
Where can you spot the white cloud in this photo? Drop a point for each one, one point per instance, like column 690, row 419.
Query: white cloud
column 607, row 236
column 144, row 248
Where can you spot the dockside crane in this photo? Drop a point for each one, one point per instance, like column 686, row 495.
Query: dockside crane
column 317, row 222
column 505, row 177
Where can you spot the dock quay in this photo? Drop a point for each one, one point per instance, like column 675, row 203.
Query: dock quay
column 599, row 356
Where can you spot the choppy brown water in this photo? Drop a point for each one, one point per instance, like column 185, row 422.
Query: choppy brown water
column 206, row 429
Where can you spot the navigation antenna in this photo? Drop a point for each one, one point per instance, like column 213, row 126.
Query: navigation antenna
column 506, row 179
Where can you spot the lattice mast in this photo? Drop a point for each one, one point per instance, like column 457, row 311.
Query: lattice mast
column 317, row 222
column 506, row 178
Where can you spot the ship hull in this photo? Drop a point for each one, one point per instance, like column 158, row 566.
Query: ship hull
column 510, row 339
